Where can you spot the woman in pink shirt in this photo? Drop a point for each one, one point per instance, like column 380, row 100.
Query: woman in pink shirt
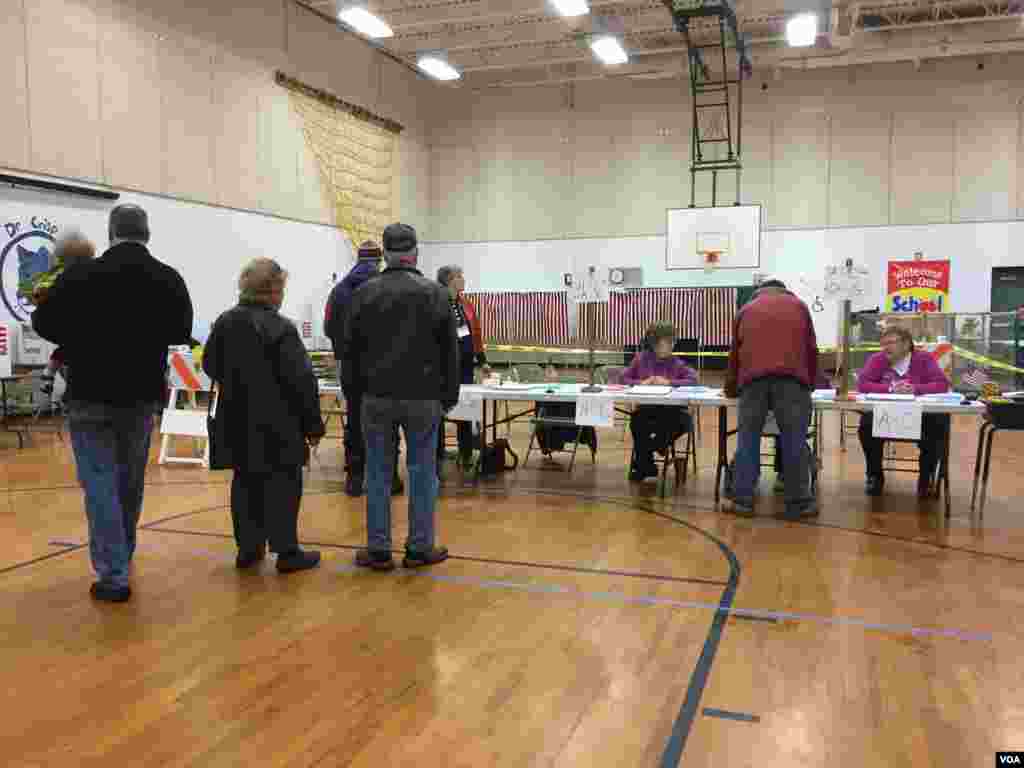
column 654, row 427
column 902, row 370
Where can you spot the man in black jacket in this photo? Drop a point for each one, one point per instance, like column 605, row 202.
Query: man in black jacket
column 128, row 295
column 367, row 267
column 401, row 350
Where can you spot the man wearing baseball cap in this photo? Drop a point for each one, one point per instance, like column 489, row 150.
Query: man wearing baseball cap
column 366, row 268
column 401, row 350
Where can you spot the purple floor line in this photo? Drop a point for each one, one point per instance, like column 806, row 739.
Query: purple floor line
column 558, row 589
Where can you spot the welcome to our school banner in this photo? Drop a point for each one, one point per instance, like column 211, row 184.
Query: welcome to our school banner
column 918, row 286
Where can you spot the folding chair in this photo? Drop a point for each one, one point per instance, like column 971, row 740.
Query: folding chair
column 670, row 457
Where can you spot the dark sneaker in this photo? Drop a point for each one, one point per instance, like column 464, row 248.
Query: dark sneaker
column 638, row 474
column 378, row 561
column 248, row 559
column 354, row 485
column 420, row 559
column 740, row 509
column 105, row 592
column 874, row 485
column 801, row 513
column 297, row 561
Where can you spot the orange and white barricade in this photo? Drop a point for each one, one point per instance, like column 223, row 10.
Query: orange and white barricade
column 189, row 421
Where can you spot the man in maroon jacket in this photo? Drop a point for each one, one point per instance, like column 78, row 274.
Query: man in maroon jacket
column 773, row 365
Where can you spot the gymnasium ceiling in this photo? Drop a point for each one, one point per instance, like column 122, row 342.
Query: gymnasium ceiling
column 506, row 43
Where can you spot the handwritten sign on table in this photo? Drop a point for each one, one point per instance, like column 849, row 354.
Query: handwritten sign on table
column 897, row 421
column 469, row 408
column 595, row 411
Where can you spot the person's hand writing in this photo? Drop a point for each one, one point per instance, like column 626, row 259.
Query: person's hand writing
column 903, row 387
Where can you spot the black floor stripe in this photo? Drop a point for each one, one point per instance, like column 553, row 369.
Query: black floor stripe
column 727, row 715
column 486, row 560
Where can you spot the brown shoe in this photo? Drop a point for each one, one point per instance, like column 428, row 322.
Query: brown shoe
column 420, row 559
column 378, row 561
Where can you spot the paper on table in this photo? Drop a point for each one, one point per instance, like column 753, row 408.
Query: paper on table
column 897, row 421
column 691, row 393
column 887, row 396
column 641, row 389
column 469, row 408
column 824, row 394
column 595, row 410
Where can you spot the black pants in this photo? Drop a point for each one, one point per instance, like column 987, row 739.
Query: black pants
column 464, row 429
column 265, row 508
column 934, row 428
column 654, row 428
column 355, row 440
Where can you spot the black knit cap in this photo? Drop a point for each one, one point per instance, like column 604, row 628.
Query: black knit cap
column 129, row 222
column 369, row 250
column 399, row 238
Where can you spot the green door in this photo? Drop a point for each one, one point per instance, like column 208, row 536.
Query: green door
column 1007, row 289
column 1008, row 296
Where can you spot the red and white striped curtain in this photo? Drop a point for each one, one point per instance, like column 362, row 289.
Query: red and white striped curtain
column 542, row 318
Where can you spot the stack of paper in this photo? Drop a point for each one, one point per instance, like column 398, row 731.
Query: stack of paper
column 641, row 389
column 693, row 393
column 824, row 394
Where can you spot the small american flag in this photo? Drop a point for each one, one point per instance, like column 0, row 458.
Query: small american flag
column 975, row 377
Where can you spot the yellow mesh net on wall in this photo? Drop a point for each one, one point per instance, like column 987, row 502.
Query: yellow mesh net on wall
column 355, row 156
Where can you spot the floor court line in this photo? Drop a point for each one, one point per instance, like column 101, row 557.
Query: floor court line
column 752, row 614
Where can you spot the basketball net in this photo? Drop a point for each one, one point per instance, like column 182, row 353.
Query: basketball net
column 711, row 260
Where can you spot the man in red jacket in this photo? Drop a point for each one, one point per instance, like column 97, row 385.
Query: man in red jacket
column 773, row 365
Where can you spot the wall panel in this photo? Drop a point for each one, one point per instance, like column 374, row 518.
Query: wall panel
column 14, row 131
column 189, row 118
column 63, row 83
column 131, row 126
column 985, row 181
column 859, row 173
column 922, row 168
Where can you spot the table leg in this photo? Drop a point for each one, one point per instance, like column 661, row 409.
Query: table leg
column 723, row 448
column 977, row 462
column 984, row 477
column 945, row 470
column 483, row 443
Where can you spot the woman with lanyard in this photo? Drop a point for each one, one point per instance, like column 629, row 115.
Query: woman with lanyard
column 471, row 353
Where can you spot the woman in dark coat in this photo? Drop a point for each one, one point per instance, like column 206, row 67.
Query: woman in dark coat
column 267, row 417
column 471, row 354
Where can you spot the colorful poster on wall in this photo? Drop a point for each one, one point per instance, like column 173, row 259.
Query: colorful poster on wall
column 918, row 286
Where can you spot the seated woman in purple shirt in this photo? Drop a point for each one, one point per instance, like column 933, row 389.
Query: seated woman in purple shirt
column 900, row 369
column 655, row 427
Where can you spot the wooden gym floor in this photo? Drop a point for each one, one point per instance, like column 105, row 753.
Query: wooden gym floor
column 580, row 622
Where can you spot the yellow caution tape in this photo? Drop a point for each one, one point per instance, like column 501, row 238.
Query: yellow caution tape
column 987, row 362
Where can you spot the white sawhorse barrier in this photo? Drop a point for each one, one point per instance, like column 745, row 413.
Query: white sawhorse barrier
column 186, row 422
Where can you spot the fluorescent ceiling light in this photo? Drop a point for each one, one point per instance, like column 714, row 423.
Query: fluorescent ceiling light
column 609, row 50
column 365, row 23
column 438, row 68
column 571, row 8
column 802, row 30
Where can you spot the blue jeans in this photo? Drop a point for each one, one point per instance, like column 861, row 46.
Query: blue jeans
column 111, row 446
column 419, row 419
column 790, row 401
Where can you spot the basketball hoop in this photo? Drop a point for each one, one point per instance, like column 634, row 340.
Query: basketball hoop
column 711, row 260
